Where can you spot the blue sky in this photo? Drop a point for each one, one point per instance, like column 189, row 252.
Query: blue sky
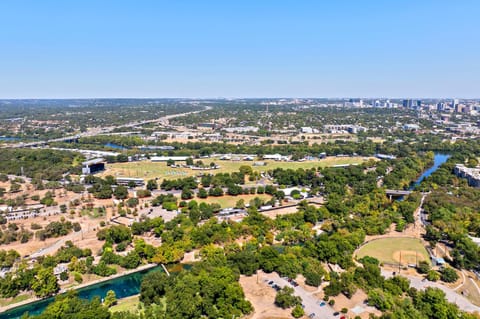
column 244, row 48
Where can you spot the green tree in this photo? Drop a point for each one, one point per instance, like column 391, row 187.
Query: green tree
column 432, row 275
column 448, row 275
column 153, row 287
column 285, row 298
column 64, row 276
column 380, row 299
column 121, row 192
column 423, row 267
column 132, row 202
column 202, row 193
column 297, row 311
column 152, row 185
column 186, row 194
column 240, row 203
column 110, row 299
column 45, row 283
column 70, row 306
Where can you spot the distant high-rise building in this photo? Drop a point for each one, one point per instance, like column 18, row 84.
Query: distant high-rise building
column 454, row 103
column 411, row 103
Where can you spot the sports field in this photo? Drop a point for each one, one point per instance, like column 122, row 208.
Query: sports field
column 160, row 170
column 391, row 250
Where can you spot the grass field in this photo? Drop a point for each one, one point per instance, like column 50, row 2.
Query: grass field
column 132, row 304
column 230, row 201
column 390, row 250
column 126, row 304
column 149, row 170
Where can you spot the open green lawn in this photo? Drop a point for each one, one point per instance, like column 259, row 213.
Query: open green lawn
column 390, row 250
column 149, row 170
column 127, row 304
column 132, row 303
column 230, row 201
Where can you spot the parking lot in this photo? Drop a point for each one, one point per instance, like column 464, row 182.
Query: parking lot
column 313, row 306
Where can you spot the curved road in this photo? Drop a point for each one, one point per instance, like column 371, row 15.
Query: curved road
column 451, row 295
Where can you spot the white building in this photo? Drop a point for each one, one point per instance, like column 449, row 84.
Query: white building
column 306, row 130
column 275, row 157
column 241, row 129
column 167, row 158
column 471, row 174
column 127, row 180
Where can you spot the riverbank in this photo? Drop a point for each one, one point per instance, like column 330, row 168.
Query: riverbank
column 80, row 286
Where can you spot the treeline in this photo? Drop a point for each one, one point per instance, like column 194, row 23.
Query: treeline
column 412, row 143
column 39, row 278
column 40, row 163
column 454, row 217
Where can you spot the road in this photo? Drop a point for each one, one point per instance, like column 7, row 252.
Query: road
column 56, row 245
column 451, row 295
column 311, row 303
column 104, row 130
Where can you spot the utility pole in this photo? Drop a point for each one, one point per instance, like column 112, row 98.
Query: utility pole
column 400, row 262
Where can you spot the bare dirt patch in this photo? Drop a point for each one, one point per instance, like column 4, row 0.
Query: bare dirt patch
column 262, row 298
column 407, row 256
column 357, row 300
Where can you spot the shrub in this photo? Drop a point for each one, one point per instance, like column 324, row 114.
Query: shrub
column 297, row 312
column 432, row 275
column 449, row 275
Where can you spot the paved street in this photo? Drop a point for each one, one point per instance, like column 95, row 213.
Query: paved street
column 451, row 294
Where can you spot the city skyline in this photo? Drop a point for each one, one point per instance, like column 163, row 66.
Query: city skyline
column 239, row 50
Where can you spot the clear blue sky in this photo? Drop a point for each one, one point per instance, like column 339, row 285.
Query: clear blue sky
column 243, row 48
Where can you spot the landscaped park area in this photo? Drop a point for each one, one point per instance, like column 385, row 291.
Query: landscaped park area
column 160, row 170
column 395, row 250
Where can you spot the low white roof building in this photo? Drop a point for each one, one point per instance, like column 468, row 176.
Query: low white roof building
column 167, row 158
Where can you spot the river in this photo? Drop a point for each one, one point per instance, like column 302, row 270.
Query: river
column 124, row 286
column 9, row 138
column 438, row 160
column 116, row 146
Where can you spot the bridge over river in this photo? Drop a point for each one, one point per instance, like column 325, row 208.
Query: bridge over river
column 397, row 193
